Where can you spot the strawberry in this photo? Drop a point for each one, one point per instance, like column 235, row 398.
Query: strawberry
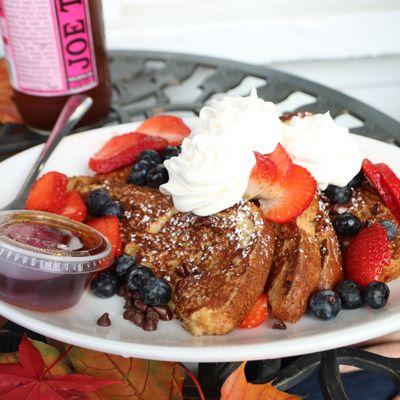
column 263, row 174
column 169, row 127
column 48, row 193
column 257, row 315
column 75, row 207
column 367, row 255
column 282, row 159
column 386, row 183
column 123, row 150
column 109, row 227
column 283, row 193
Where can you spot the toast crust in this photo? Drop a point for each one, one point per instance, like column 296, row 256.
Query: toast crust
column 307, row 258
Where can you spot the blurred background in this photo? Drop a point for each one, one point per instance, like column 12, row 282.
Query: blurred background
column 351, row 45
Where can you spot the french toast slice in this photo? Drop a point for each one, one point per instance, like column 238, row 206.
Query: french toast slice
column 307, row 258
column 367, row 205
column 217, row 265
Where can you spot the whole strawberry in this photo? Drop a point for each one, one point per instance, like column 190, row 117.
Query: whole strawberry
column 367, row 255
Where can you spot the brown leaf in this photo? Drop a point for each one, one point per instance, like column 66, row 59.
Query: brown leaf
column 237, row 388
column 143, row 380
column 8, row 110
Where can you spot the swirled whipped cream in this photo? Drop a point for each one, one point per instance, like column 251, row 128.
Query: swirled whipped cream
column 323, row 147
column 212, row 172
column 249, row 120
column 210, row 175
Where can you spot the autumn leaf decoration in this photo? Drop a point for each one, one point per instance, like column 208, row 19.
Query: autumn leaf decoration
column 236, row 387
column 30, row 379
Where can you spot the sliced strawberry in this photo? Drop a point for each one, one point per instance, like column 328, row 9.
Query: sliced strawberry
column 386, row 183
column 257, row 315
column 169, row 127
column 282, row 159
column 283, row 193
column 75, row 207
column 48, row 193
column 109, row 227
column 123, row 150
column 367, row 255
column 289, row 196
column 263, row 175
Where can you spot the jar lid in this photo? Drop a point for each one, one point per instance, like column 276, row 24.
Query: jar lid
column 51, row 243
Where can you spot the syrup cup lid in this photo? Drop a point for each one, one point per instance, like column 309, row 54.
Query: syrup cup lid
column 87, row 249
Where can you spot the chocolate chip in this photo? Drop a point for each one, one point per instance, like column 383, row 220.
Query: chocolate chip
column 149, row 325
column 164, row 313
column 279, row 325
column 138, row 318
column 151, row 315
column 179, row 270
column 104, row 320
column 287, row 284
column 138, row 304
column 136, row 295
column 128, row 304
column 121, row 291
column 376, row 209
column 128, row 314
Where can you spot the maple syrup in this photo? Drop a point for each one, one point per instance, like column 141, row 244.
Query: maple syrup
column 47, row 261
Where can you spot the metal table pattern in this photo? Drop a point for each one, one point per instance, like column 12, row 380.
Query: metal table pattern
column 148, row 83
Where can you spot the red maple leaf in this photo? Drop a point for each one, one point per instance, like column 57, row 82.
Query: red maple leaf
column 31, row 380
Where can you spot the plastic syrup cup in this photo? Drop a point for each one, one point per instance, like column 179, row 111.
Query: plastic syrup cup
column 46, row 260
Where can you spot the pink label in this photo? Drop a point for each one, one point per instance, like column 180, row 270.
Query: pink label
column 49, row 46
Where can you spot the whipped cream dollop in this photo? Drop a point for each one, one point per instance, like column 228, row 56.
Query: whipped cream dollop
column 210, row 174
column 323, row 147
column 248, row 120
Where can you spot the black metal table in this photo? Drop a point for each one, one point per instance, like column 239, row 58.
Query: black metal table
column 149, row 83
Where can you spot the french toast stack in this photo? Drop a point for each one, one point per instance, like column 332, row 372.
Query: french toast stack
column 218, row 265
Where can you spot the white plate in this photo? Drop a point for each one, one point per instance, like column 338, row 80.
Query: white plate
column 170, row 341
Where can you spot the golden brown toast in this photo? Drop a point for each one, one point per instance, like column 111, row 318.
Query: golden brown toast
column 217, row 265
column 369, row 208
column 307, row 258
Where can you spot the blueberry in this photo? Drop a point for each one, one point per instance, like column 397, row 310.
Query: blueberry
column 105, row 285
column 337, row 194
column 170, row 151
column 113, row 208
column 391, row 229
column 123, row 264
column 139, row 172
column 347, row 224
column 376, row 294
column 350, row 294
column 97, row 199
column 155, row 292
column 357, row 180
column 137, row 276
column 157, row 176
column 325, row 304
column 151, row 156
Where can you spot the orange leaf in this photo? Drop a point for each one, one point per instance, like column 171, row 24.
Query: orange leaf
column 142, row 379
column 8, row 110
column 237, row 388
